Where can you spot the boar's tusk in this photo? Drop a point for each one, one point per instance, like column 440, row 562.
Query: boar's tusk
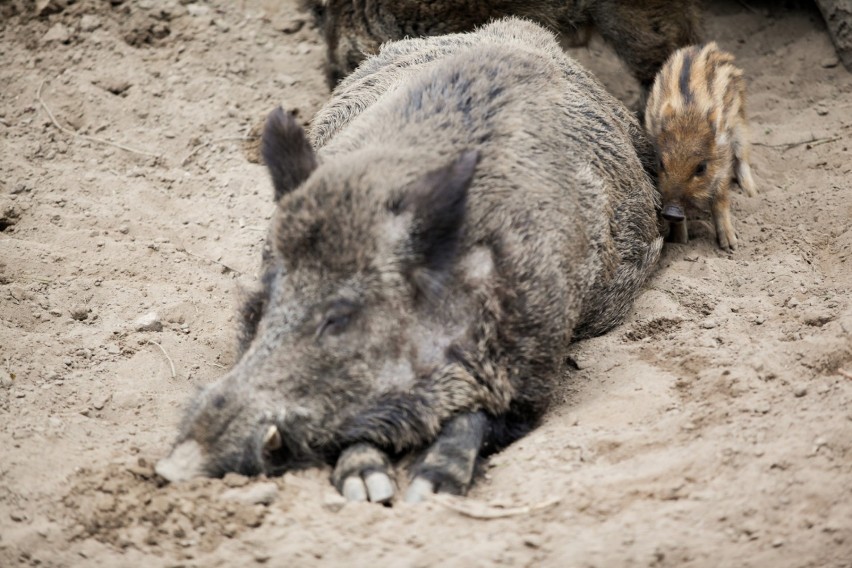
column 272, row 439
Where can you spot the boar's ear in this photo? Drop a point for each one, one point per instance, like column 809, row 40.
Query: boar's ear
column 437, row 202
column 286, row 152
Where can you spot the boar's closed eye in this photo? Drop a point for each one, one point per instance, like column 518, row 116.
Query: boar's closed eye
column 700, row 169
column 336, row 318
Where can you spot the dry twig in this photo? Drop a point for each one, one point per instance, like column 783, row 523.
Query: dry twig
column 200, row 147
column 169, row 359
column 84, row 136
column 747, row 7
column 222, row 264
column 844, row 373
column 483, row 511
column 211, row 143
column 814, row 141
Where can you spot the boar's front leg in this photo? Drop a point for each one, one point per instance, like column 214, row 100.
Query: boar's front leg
column 363, row 472
column 447, row 465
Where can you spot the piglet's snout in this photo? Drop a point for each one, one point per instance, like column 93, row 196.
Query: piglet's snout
column 673, row 213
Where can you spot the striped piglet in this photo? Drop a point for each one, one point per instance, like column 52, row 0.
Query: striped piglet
column 696, row 119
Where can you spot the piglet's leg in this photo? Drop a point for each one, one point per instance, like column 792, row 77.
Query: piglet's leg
column 363, row 473
column 447, row 465
column 721, row 210
column 742, row 166
column 678, row 232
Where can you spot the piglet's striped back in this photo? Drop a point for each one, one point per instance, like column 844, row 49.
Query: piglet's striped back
column 701, row 79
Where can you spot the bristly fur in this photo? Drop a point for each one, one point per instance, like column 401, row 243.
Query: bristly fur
column 475, row 202
column 643, row 32
column 696, row 119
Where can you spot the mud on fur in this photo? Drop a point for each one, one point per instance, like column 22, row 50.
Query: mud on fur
column 643, row 32
column 696, row 119
column 435, row 248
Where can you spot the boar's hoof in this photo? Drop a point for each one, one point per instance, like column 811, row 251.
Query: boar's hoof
column 363, row 473
column 419, row 490
column 376, row 486
column 447, row 465
column 379, row 487
column 354, row 489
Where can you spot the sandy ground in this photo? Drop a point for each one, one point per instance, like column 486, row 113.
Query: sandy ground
column 714, row 428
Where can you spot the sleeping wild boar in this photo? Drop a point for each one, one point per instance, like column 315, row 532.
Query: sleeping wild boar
column 643, row 32
column 469, row 205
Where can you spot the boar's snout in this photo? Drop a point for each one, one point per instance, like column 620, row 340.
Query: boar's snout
column 184, row 462
column 674, row 213
column 262, row 452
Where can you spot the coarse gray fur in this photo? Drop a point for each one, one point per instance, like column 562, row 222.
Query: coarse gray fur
column 643, row 32
column 476, row 202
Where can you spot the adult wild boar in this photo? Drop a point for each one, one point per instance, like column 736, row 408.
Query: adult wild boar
column 643, row 32
column 474, row 202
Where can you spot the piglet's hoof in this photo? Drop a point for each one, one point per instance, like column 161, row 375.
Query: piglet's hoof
column 678, row 233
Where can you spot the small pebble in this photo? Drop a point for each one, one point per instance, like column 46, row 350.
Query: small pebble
column 289, row 26
column 79, row 313
column 100, row 402
column 778, row 542
column 800, row 391
column 89, row 23
column 149, row 322
column 334, row 502
column 708, row 324
column 263, row 493
column 533, row 541
column 235, row 480
column 57, row 33
column 197, row 10
column 18, row 517
column 829, row 62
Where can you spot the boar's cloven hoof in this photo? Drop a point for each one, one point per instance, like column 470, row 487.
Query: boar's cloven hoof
column 419, row 490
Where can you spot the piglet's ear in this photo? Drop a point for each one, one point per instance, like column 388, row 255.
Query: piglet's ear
column 438, row 201
column 286, row 152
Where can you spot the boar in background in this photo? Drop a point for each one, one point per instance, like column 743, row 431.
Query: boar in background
column 643, row 32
